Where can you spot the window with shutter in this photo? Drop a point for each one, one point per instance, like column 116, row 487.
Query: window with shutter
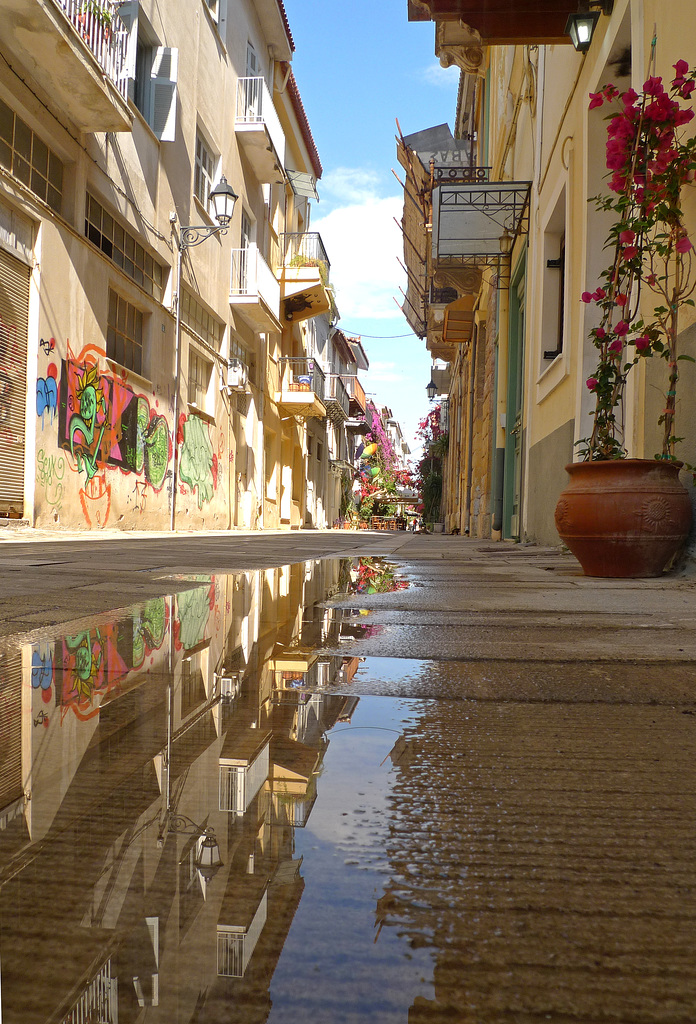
column 163, row 105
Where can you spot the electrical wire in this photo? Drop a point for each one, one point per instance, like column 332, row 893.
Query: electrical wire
column 377, row 337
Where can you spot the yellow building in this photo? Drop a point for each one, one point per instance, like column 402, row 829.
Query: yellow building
column 508, row 200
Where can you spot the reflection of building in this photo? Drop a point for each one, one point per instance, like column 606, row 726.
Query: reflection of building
column 129, row 730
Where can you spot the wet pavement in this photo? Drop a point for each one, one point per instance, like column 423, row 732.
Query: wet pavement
column 441, row 785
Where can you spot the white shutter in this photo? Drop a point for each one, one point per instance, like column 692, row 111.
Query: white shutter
column 165, row 64
column 128, row 13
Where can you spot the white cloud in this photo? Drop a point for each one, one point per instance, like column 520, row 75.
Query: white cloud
column 385, row 373
column 363, row 243
column 442, row 78
column 350, row 184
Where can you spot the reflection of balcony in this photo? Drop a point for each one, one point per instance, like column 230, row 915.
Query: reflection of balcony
column 336, row 399
column 254, row 289
column 259, row 131
column 244, row 765
column 304, row 276
column 78, row 61
column 301, row 387
column 236, row 942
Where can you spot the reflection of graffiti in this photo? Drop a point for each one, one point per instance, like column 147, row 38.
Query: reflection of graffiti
column 50, row 470
column 42, row 671
column 102, row 422
column 46, row 397
column 193, row 609
column 149, row 628
column 199, row 464
column 95, row 498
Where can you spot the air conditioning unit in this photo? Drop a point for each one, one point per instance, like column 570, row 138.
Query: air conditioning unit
column 237, row 375
column 228, row 686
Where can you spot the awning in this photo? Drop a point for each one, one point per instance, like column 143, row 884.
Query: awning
column 477, row 222
column 303, row 184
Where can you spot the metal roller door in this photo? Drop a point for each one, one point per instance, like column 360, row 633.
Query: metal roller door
column 14, row 315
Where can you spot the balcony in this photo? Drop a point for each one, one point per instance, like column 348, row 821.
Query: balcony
column 255, row 290
column 337, row 400
column 259, row 131
column 503, row 22
column 301, row 387
column 304, row 276
column 76, row 59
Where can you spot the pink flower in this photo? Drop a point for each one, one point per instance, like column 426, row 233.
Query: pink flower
column 586, row 296
column 642, row 343
column 651, row 280
column 683, row 244
column 600, row 333
column 627, row 236
column 621, row 299
column 686, row 89
column 621, row 328
column 630, row 252
column 598, row 294
column 616, row 346
column 681, row 67
column 596, row 100
column 653, row 87
column 630, row 97
column 591, row 383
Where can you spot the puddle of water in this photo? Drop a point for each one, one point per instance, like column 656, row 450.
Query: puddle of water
column 210, row 815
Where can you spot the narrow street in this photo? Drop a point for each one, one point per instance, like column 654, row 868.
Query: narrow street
column 438, row 779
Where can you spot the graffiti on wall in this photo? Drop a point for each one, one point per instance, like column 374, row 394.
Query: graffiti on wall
column 81, row 671
column 50, row 472
column 103, row 423
column 47, row 395
column 199, row 463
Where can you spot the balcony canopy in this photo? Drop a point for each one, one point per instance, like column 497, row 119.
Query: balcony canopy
column 499, row 22
column 477, row 222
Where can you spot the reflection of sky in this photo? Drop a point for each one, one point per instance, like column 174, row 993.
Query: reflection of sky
column 332, row 970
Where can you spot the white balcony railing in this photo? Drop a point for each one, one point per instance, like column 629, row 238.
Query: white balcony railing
column 253, row 278
column 255, row 107
column 105, row 35
column 236, row 945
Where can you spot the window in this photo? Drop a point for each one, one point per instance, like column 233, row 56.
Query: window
column 200, row 370
column 204, row 171
column 124, row 333
column 200, row 322
column 151, row 71
column 29, row 159
column 553, row 295
column 218, row 10
column 121, row 246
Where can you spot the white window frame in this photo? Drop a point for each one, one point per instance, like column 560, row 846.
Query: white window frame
column 205, row 169
column 159, row 100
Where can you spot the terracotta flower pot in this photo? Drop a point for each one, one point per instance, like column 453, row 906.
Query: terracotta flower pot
column 624, row 518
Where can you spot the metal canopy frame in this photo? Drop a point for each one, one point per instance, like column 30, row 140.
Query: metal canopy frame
column 470, row 218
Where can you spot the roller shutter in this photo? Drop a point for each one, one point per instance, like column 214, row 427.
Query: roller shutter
column 14, row 315
column 10, row 729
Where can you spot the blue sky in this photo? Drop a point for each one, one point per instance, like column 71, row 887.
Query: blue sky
column 360, row 65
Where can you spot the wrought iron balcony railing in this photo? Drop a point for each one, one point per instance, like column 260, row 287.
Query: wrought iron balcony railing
column 336, row 392
column 297, row 373
column 304, row 249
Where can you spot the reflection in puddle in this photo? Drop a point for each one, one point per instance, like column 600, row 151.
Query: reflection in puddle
column 169, row 806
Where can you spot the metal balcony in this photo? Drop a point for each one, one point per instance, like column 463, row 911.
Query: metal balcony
column 301, row 387
column 77, row 58
column 304, row 276
column 259, row 131
column 337, row 400
column 356, row 396
column 255, row 290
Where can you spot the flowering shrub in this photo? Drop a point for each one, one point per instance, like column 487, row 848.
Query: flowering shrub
column 428, row 475
column 650, row 161
column 375, row 487
column 374, row 576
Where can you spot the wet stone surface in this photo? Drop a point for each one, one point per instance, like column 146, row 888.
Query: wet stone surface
column 235, row 805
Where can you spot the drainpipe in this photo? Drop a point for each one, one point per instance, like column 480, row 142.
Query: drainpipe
column 470, row 432
column 500, row 409
column 177, row 370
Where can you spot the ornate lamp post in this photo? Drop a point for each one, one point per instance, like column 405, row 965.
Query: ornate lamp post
column 222, row 199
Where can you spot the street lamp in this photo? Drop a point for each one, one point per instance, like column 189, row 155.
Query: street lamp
column 431, row 390
column 222, row 199
column 207, row 860
column 580, row 26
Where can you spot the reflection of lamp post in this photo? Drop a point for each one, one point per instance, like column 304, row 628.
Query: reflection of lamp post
column 207, row 860
column 222, row 197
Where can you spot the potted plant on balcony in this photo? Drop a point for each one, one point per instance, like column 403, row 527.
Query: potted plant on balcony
column 99, row 13
column 628, row 517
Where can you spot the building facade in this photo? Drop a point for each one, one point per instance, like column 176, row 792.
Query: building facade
column 157, row 372
column 503, row 239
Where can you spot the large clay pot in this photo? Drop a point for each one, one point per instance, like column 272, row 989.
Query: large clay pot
column 624, row 518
